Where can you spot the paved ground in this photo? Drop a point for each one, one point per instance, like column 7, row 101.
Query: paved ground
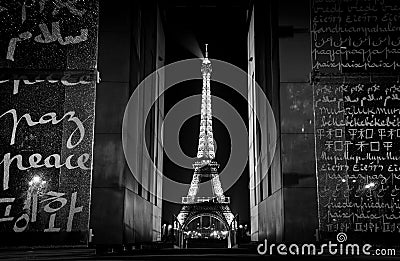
column 166, row 254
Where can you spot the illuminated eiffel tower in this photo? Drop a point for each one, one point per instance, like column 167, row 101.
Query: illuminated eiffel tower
column 205, row 168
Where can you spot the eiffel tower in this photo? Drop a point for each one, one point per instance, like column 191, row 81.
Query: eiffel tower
column 205, row 168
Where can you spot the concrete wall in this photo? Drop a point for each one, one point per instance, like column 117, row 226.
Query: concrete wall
column 266, row 191
column 131, row 46
column 284, row 203
column 297, row 122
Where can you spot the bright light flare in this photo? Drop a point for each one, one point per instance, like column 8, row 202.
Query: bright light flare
column 370, row 185
column 36, row 179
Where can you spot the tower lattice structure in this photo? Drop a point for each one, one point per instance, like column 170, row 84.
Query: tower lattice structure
column 205, row 167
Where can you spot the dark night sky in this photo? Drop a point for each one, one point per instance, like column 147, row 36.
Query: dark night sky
column 188, row 26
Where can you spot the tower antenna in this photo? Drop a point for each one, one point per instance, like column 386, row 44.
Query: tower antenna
column 206, row 51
